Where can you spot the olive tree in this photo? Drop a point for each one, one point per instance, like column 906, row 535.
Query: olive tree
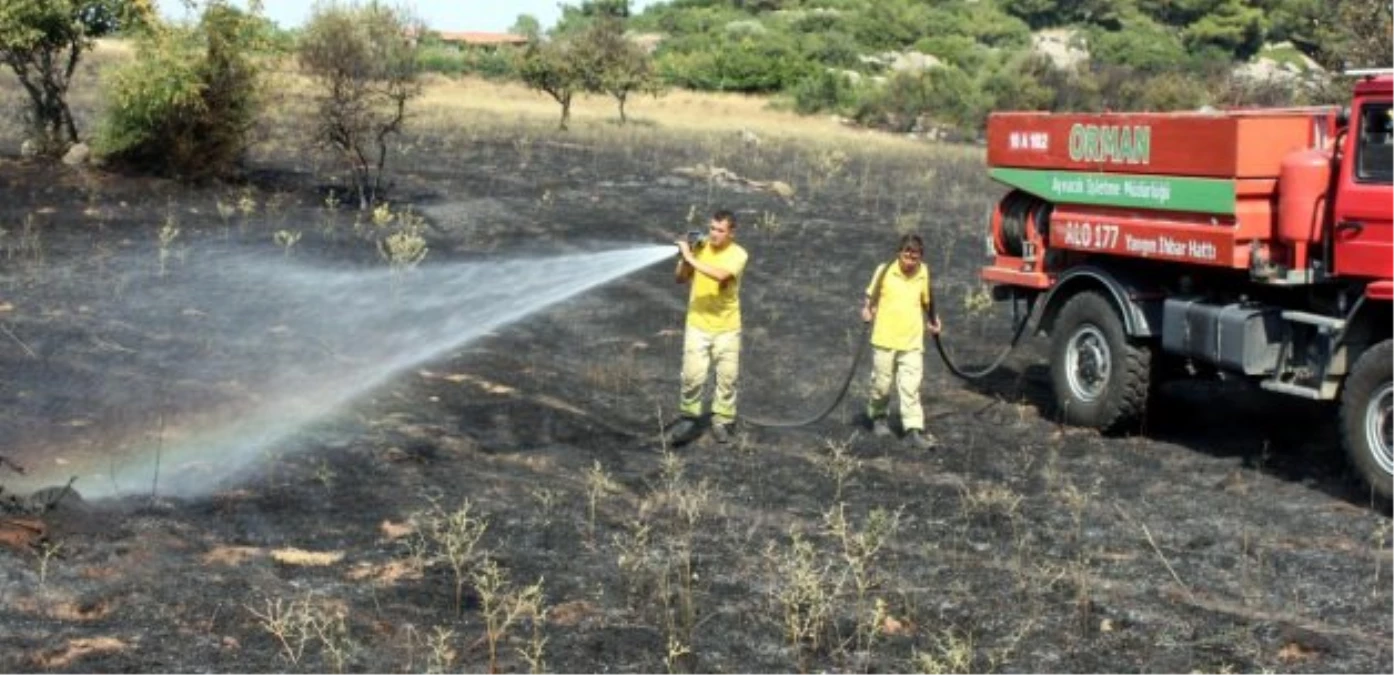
column 363, row 62
column 43, row 41
column 553, row 68
column 597, row 59
column 614, row 65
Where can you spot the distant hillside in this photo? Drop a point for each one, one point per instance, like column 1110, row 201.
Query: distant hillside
column 912, row 64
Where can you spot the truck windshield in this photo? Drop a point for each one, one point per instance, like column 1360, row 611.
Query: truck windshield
column 1373, row 156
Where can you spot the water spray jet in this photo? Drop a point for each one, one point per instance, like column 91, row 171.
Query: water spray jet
column 270, row 346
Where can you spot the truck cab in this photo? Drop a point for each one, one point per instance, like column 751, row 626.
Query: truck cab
column 1362, row 228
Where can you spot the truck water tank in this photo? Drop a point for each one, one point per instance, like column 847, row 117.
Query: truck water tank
column 1303, row 181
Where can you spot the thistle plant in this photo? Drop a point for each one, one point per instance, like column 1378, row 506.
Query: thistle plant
column 247, row 206
column 226, row 211
column 598, row 484
column 167, row 234
column 286, row 239
column 448, row 537
column 502, row 606
column 839, row 464
column 382, row 215
column 977, row 302
column 406, row 248
column 332, row 202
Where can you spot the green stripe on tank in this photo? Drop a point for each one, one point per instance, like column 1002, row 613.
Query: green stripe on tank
column 1169, row 193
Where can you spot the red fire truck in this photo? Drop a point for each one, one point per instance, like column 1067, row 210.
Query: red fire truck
column 1240, row 243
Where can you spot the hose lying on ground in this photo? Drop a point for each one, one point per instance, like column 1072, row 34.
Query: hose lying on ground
column 1022, row 320
column 841, row 393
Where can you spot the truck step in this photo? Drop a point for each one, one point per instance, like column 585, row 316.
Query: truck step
column 1327, row 391
column 1330, row 323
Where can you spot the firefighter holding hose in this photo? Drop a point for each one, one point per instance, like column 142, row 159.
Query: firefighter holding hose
column 713, row 265
column 899, row 301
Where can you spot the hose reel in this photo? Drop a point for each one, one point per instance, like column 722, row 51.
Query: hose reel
column 1018, row 210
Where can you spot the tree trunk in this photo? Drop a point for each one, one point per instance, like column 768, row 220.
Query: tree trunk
column 622, row 98
column 565, row 112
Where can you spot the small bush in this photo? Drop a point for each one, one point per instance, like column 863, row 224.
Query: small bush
column 442, row 59
column 826, row 90
column 491, row 64
column 945, row 95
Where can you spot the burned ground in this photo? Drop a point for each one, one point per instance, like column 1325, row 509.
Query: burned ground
column 1224, row 537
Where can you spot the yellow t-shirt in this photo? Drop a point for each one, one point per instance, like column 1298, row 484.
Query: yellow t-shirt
column 714, row 307
column 900, row 313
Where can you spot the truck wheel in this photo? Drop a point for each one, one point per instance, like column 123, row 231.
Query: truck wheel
column 1367, row 417
column 1100, row 378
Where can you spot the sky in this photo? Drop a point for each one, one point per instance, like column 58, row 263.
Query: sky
column 447, row 15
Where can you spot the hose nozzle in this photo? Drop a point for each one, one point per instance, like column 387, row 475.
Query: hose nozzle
column 696, row 239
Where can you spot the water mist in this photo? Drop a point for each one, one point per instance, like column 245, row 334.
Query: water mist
column 272, row 344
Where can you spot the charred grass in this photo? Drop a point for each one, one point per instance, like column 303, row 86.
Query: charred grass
column 1229, row 543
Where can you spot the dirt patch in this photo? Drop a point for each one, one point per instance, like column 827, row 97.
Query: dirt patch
column 300, row 558
column 77, row 650
column 386, row 574
column 233, row 556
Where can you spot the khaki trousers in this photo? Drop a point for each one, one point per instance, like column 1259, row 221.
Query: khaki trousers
column 906, row 370
column 699, row 350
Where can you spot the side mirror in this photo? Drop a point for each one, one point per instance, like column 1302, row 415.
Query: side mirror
column 1343, row 117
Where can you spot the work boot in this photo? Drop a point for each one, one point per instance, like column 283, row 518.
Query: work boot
column 921, row 440
column 722, row 433
column 880, row 428
column 681, row 432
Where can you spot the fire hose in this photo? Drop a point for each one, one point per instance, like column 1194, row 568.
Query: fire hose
column 1020, row 320
column 841, row 393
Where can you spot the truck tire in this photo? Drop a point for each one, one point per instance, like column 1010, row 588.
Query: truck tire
column 1100, row 378
column 1366, row 417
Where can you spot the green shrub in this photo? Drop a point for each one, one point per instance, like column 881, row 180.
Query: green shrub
column 443, row 59
column 1020, row 85
column 1142, row 45
column 835, row 49
column 824, row 90
column 765, row 64
column 959, row 51
column 494, row 64
column 183, row 107
column 946, row 95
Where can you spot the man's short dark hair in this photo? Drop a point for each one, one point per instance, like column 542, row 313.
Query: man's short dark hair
column 912, row 242
column 725, row 216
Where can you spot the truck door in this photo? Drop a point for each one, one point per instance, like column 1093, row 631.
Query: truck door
column 1363, row 235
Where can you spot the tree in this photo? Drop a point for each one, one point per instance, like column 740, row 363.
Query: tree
column 1364, row 29
column 551, row 67
column 1036, row 13
column 363, row 59
column 185, row 105
column 1231, row 27
column 612, row 64
column 43, row 41
column 576, row 18
column 528, row 26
